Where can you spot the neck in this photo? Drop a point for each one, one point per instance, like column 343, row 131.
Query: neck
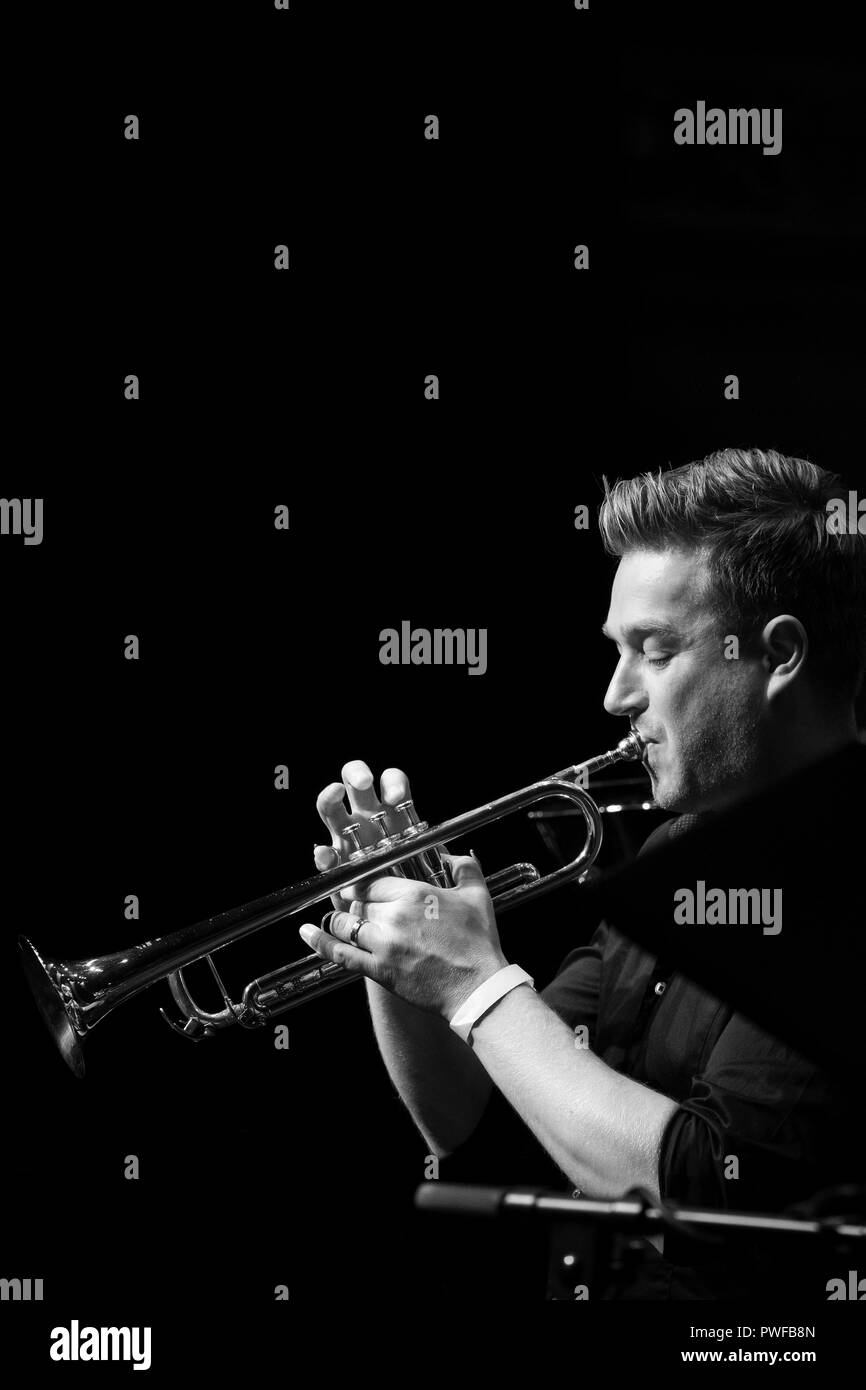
column 810, row 740
column 786, row 748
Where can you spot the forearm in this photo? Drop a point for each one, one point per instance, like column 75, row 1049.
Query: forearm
column 442, row 1083
column 602, row 1129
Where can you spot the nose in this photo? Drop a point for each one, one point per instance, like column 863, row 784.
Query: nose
column 625, row 694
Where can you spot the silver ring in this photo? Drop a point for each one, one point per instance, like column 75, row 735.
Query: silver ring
column 353, row 934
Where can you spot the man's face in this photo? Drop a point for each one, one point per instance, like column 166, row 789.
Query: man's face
column 701, row 713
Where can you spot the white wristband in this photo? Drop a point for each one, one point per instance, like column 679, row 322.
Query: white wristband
column 485, row 996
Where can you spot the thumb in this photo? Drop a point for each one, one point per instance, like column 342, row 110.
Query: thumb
column 465, row 870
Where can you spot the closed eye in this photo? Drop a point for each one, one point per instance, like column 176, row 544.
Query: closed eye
column 659, row 660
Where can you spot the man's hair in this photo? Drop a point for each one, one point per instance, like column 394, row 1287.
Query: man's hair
column 762, row 519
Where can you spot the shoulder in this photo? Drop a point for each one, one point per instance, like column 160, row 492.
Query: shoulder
column 663, row 834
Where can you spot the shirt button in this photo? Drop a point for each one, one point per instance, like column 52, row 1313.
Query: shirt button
column 660, row 988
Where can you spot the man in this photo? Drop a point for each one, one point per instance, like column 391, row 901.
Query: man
column 734, row 547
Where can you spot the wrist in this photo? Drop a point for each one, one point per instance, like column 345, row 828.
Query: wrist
column 485, row 997
column 469, row 984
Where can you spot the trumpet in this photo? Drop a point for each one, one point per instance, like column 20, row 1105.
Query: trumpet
column 74, row 995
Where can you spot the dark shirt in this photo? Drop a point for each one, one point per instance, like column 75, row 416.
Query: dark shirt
column 742, row 1095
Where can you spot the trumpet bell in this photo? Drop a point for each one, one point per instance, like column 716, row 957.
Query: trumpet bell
column 50, row 1006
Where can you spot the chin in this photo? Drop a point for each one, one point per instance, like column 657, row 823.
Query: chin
column 669, row 802
column 671, row 797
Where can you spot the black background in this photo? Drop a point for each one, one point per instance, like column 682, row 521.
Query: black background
column 259, row 647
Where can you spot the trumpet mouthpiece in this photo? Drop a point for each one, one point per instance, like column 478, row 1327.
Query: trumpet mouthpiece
column 631, row 747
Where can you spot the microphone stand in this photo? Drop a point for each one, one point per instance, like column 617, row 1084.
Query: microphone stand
column 615, row 1229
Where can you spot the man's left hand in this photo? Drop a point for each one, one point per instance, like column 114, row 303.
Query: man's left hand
column 431, row 946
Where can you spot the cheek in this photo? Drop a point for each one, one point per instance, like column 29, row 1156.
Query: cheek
column 740, row 690
column 700, row 698
column 681, row 697
column 716, row 682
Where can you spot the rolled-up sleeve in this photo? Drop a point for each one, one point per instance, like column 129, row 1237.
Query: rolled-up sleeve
column 751, row 1131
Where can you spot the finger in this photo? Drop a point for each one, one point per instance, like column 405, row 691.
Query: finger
column 368, row 935
column 326, row 857
column 332, row 810
column 330, row 804
column 358, row 781
column 466, row 871
column 394, row 787
column 357, row 962
column 376, row 890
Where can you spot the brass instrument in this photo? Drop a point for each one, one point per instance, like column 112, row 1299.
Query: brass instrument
column 74, row 995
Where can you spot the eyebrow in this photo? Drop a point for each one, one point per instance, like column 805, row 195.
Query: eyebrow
column 644, row 630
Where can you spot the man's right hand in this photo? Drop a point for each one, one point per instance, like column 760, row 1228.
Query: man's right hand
column 443, row 1085
column 358, row 784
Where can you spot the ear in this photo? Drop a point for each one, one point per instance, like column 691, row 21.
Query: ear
column 785, row 646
